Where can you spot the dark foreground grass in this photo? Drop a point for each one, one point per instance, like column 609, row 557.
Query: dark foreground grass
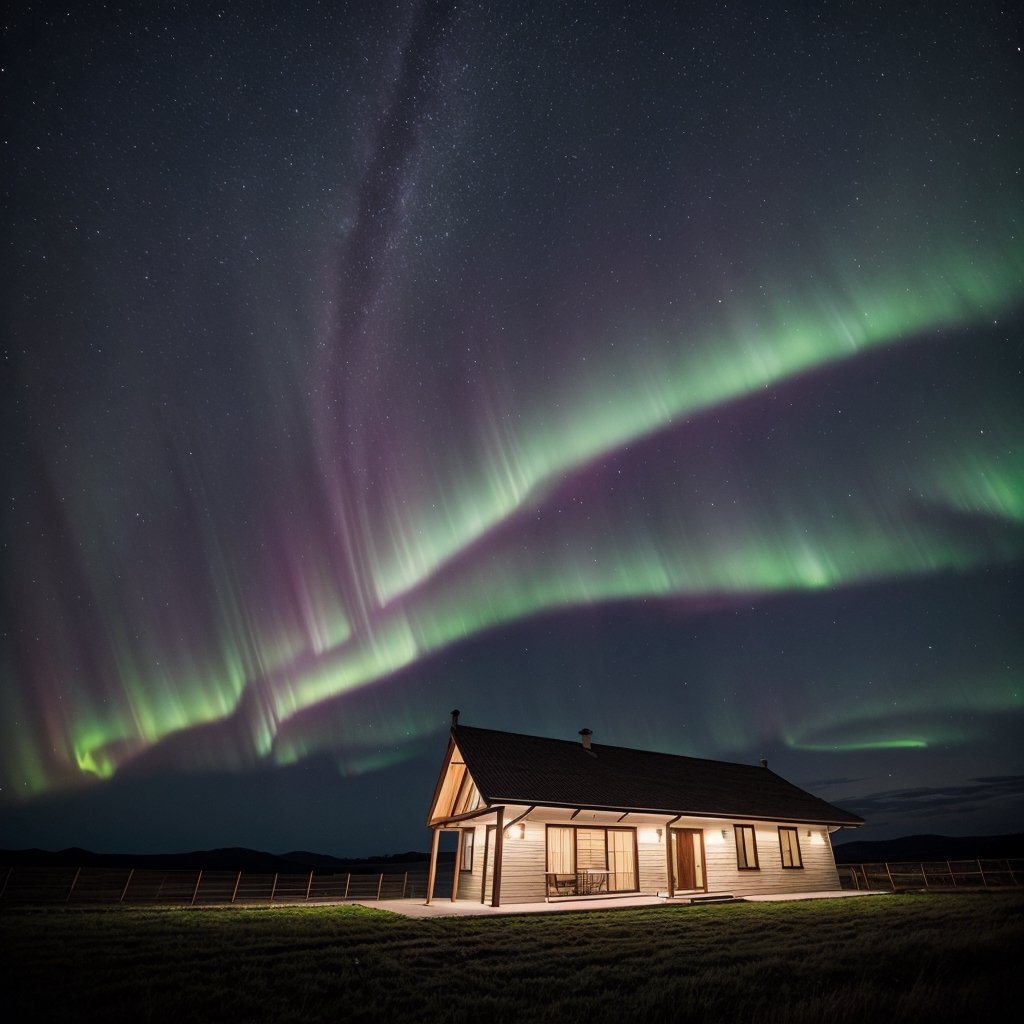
column 881, row 958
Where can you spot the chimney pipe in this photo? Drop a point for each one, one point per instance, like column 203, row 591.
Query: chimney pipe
column 455, row 718
column 586, row 734
column 764, row 762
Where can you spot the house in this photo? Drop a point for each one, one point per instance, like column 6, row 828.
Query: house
column 544, row 819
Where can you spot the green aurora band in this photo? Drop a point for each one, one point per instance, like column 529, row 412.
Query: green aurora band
column 442, row 570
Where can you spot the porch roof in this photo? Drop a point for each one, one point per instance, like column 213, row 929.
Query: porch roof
column 513, row 768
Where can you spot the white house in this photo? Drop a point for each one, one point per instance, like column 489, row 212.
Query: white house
column 545, row 819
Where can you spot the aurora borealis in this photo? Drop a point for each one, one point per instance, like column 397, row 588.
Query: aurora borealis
column 650, row 367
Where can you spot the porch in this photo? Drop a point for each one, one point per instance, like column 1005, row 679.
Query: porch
column 464, row 908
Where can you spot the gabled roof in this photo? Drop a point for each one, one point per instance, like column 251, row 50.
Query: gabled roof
column 510, row 768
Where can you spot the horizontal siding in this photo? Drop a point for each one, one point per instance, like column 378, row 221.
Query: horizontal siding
column 653, row 865
column 522, row 865
column 470, row 881
column 523, row 861
column 818, row 873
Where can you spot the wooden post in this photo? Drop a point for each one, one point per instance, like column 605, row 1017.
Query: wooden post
column 432, row 872
column 195, row 891
column 273, row 888
column 7, row 878
column 981, row 871
column 499, row 842
column 309, row 886
column 892, row 884
column 348, row 881
column 74, row 882
column 487, row 853
column 124, row 891
column 238, row 882
column 458, row 867
column 405, row 884
column 668, row 862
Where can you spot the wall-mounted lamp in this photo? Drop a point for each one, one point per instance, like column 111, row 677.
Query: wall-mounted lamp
column 725, row 833
column 661, row 834
column 808, row 833
column 522, row 830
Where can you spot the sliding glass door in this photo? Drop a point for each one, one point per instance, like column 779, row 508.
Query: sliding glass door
column 589, row 860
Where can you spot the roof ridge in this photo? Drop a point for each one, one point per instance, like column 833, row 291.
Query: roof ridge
column 606, row 746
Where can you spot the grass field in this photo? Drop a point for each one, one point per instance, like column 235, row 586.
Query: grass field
column 952, row 957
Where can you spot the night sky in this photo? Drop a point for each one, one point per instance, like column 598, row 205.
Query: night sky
column 649, row 367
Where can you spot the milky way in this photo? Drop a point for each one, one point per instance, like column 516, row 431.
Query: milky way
column 652, row 370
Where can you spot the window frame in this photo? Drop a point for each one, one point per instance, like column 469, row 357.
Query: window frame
column 742, row 860
column 798, row 866
column 467, row 841
column 605, row 829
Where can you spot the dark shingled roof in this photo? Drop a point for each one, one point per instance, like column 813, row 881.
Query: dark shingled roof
column 511, row 768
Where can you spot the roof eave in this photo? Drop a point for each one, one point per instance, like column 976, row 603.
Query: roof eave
column 686, row 813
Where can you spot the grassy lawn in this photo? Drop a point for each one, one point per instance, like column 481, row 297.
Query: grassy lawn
column 949, row 957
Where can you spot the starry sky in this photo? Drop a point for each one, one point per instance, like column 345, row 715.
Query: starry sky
column 650, row 367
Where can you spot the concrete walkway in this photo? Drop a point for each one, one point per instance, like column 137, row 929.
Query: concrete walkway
column 469, row 908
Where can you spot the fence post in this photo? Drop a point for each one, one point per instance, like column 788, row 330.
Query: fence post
column 981, row 871
column 309, row 886
column 952, row 877
column 273, row 888
column 6, row 880
column 405, row 883
column 892, row 884
column 238, row 882
column 864, row 872
column 124, row 891
column 348, row 878
column 380, row 884
column 195, row 891
column 74, row 882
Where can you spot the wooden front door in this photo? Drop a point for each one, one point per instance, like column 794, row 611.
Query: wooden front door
column 688, row 859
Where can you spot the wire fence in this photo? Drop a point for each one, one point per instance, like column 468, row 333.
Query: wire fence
column 933, row 874
column 109, row 886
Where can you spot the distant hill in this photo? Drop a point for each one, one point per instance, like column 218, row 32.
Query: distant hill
column 930, row 848
column 229, row 859
column 299, row 862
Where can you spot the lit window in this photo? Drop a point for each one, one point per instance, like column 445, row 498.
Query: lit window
column 789, row 843
column 466, row 856
column 746, row 848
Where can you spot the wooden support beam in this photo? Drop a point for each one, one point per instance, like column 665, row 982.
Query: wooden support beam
column 432, row 873
column 499, row 842
column 458, row 866
column 519, row 817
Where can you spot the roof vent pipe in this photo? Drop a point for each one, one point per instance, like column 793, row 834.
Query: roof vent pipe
column 585, row 734
column 764, row 762
column 455, row 718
